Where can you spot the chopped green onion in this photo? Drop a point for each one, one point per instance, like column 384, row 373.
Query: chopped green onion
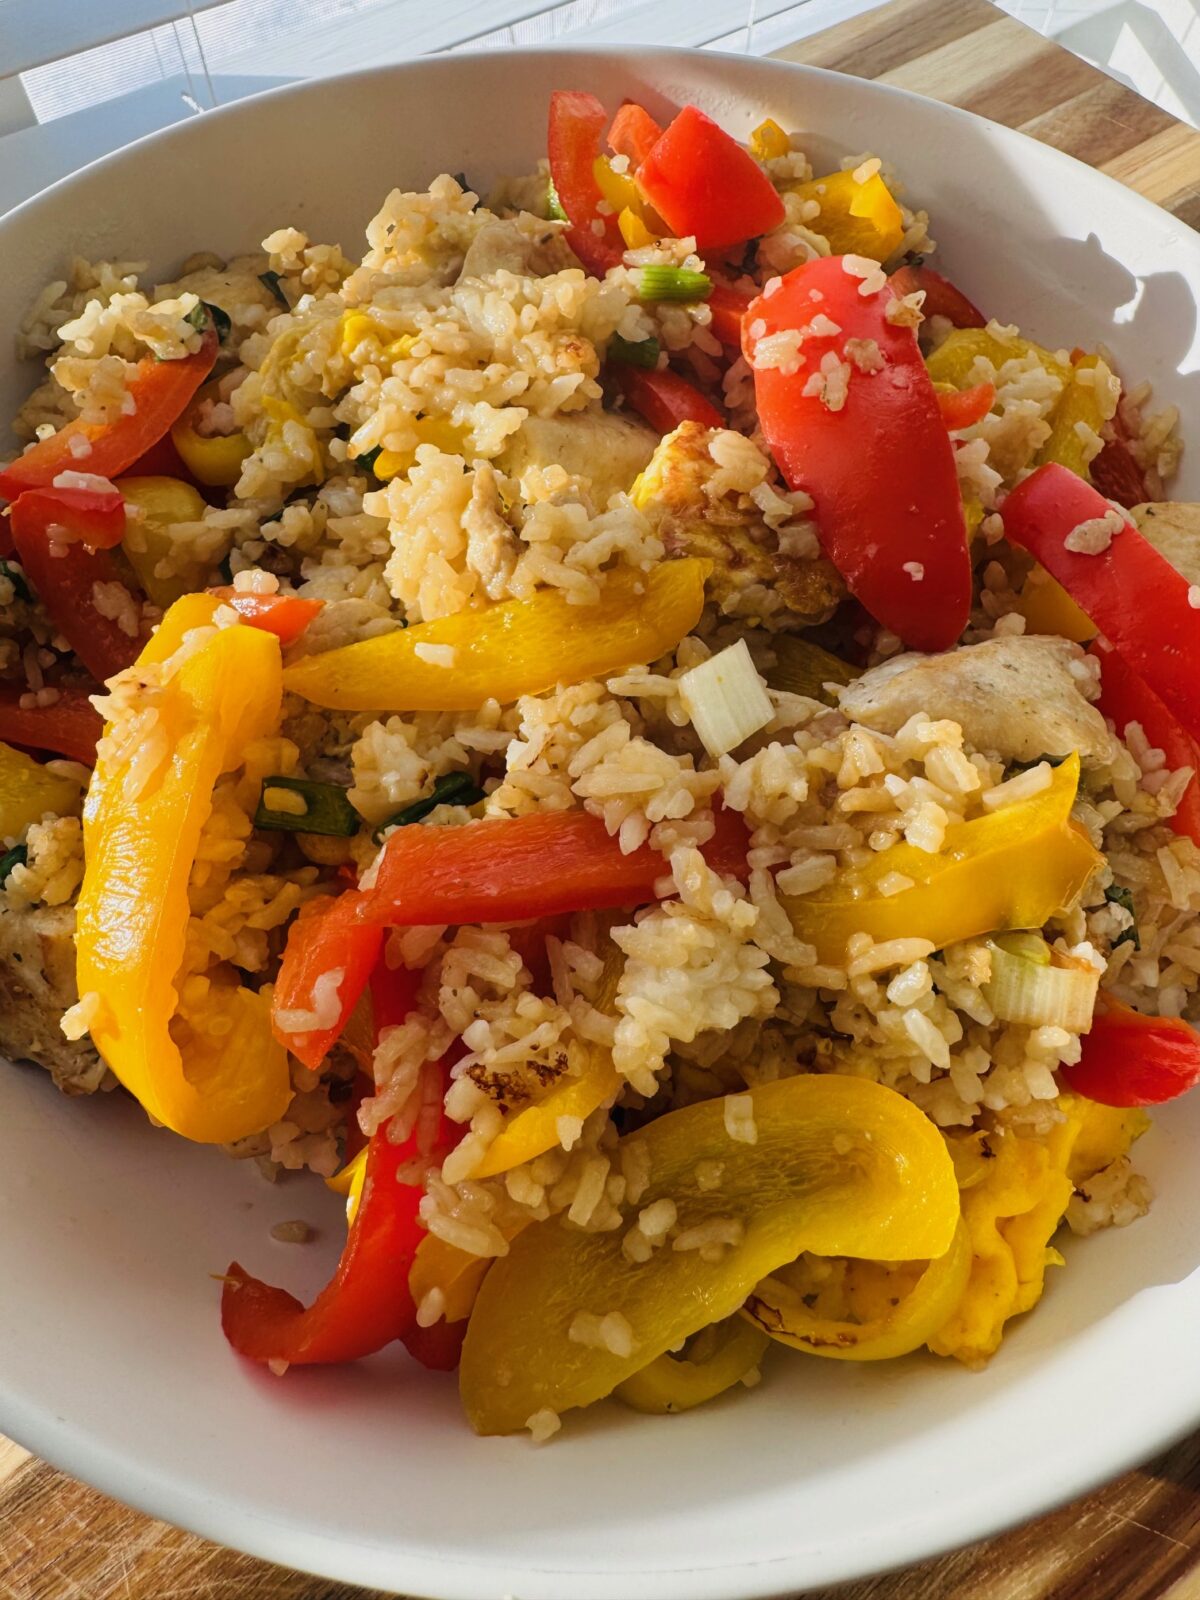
column 17, row 578
column 1027, row 766
column 455, row 789
column 1029, row 946
column 298, row 805
column 1035, row 996
column 1118, row 895
column 369, row 458
column 634, row 352
column 802, row 667
column 16, row 857
column 271, row 281
column 554, row 206
column 204, row 313
column 725, row 699
column 674, row 283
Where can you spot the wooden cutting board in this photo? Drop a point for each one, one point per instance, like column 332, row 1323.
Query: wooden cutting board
column 1137, row 1539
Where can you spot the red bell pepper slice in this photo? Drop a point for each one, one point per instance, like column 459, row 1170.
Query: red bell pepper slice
column 1132, row 1060
column 634, row 133
column 1124, row 698
column 94, row 518
column 728, row 306
column 576, row 127
column 327, row 936
column 703, row 183
column 880, row 469
column 505, row 870
column 1117, row 476
column 65, row 579
column 284, row 615
column 964, row 407
column 1132, row 593
column 942, row 299
column 160, row 391
column 438, row 1347
column 70, row 727
column 664, row 399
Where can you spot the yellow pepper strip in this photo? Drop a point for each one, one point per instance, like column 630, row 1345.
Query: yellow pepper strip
column 898, row 1328
column 160, row 505
column 1079, row 403
column 634, row 230
column 1048, row 608
column 28, row 790
column 768, row 141
column 514, row 648
column 438, row 1265
column 1013, row 869
column 677, row 1383
column 860, row 219
column 210, row 1068
column 953, row 361
column 617, row 188
column 802, row 667
column 349, row 1181
column 214, row 460
column 842, row 1166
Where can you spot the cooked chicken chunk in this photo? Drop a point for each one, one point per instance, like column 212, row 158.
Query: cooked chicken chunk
column 37, row 984
column 606, row 449
column 1015, row 698
column 1173, row 528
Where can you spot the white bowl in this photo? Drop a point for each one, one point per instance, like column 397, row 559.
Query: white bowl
column 112, row 1364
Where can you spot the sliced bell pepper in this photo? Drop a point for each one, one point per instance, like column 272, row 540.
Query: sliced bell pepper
column 66, row 580
column 1048, row 608
column 161, row 460
column 207, row 1067
column 94, row 518
column 664, row 400
column 678, row 1383
column 1136, row 598
column 1124, row 698
column 769, row 142
column 1133, row 1060
column 507, row 869
column 954, row 359
column 159, row 390
column 70, row 727
column 456, row 1273
column 634, row 133
column 155, row 507
column 728, row 306
column 1015, row 868
column 214, row 460
column 841, row 1166
column 28, row 791
column 963, row 408
column 875, row 457
column 328, row 936
column 704, row 184
column 284, row 615
column 438, row 1348
column 1116, row 474
column 857, row 218
column 942, row 299
column 1078, row 403
column 511, row 649
column 896, row 1328
column 577, row 122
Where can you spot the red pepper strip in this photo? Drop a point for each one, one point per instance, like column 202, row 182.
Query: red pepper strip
column 1124, row 698
column 438, row 1347
column 634, row 133
column 1132, row 1060
column 942, row 299
column 1117, row 476
column 327, row 936
column 160, row 391
column 881, row 468
column 964, row 407
column 576, row 127
column 664, row 399
column 284, row 615
column 65, row 583
column 70, row 727
column 1133, row 594
column 534, row 866
column 161, row 460
column 94, row 518
column 701, row 182
column 728, row 306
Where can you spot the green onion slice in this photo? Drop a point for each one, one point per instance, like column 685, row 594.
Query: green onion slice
column 634, row 352
column 271, row 281
column 455, row 789
column 554, row 205
column 674, row 283
column 299, row 805
column 16, row 857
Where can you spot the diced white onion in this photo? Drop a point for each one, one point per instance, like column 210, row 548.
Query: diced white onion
column 725, row 698
column 1038, row 996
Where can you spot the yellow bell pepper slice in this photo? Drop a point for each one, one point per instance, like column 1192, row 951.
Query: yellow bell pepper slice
column 841, row 1166
column 1048, row 608
column 954, row 359
column 28, row 791
column 768, row 141
column 214, row 460
column 161, row 505
column 517, row 647
column 438, row 1265
column 634, row 230
column 209, row 1067
column 678, row 1383
column 858, row 219
column 349, row 1181
column 1079, row 403
column 896, row 1327
column 1013, row 869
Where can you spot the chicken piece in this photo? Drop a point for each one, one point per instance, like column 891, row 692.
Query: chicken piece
column 601, row 447
column 524, row 245
column 1173, row 528
column 683, row 493
column 1015, row 698
column 492, row 547
column 37, row 984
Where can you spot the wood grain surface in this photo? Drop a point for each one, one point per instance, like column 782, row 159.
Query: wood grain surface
column 1138, row 1538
